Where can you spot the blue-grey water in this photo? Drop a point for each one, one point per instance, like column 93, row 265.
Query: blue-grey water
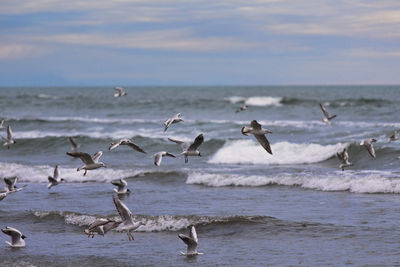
column 295, row 207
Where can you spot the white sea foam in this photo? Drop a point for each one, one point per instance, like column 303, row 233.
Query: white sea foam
column 250, row 152
column 150, row 223
column 256, row 100
column 373, row 183
column 39, row 173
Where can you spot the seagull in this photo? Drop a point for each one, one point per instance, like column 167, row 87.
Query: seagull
column 259, row 133
column 90, row 163
column 191, row 241
column 53, row 181
column 344, row 159
column 121, row 183
column 74, row 145
column 393, row 137
column 126, row 142
column 158, row 157
column 190, row 149
column 10, row 184
column 242, row 108
column 174, row 119
column 9, row 140
column 326, row 114
column 101, row 226
column 127, row 223
column 17, row 238
column 120, row 92
column 1, row 124
column 368, row 145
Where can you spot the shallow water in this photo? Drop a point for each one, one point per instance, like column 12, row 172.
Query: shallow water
column 250, row 208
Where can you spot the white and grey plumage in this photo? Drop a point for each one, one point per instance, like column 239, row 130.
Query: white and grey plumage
column 90, row 163
column 368, row 145
column 2, row 124
column 122, row 184
column 259, row 133
column 55, row 180
column 127, row 223
column 393, row 137
column 74, row 145
column 190, row 149
column 326, row 118
column 174, row 119
column 344, row 159
column 11, row 184
column 17, row 238
column 9, row 140
column 242, row 108
column 120, row 92
column 191, row 241
column 126, row 142
column 101, row 226
column 158, row 157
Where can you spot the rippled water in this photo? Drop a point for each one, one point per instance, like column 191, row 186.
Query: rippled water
column 295, row 207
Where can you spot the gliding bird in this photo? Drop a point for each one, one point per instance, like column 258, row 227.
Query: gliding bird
column 90, row 163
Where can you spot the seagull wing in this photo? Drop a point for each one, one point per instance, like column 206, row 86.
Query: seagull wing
column 110, row 225
column 119, row 89
column 263, row 142
column 184, row 145
column 370, row 149
column 56, row 173
column 9, row 132
column 14, row 233
column 115, row 144
column 169, row 155
column 85, row 157
column 97, row 156
column 193, row 234
column 122, row 209
column 158, row 158
column 10, row 182
column 73, row 143
column 255, row 125
column 190, row 242
column 326, row 114
column 117, row 182
column 98, row 222
column 132, row 145
column 197, row 142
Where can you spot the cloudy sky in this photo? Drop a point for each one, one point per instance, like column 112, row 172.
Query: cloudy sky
column 199, row 42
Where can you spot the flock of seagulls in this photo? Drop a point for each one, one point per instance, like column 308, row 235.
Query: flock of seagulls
column 126, row 222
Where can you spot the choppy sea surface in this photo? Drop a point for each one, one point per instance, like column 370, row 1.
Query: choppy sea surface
column 295, row 207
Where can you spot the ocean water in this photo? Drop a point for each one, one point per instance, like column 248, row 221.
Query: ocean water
column 295, row 207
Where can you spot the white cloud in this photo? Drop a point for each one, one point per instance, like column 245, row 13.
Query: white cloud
column 16, row 51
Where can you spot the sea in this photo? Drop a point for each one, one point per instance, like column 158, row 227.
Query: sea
column 293, row 208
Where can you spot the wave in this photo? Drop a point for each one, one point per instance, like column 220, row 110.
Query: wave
column 366, row 183
column 250, row 152
column 39, row 173
column 256, row 100
column 153, row 223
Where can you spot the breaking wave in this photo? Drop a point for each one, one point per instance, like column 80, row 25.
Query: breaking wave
column 250, row 152
column 256, row 100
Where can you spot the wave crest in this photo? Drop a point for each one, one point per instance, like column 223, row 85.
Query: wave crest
column 250, row 152
column 256, row 100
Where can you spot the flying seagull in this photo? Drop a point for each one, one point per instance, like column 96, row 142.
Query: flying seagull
column 127, row 223
column 120, row 92
column 17, row 238
column 11, row 184
column 191, row 241
column 344, row 159
column 9, row 140
column 326, row 118
column 53, row 181
column 190, row 149
column 158, row 157
column 259, row 133
column 242, row 108
column 174, row 119
column 125, row 142
column 90, row 163
column 121, row 183
column 368, row 145
column 74, row 145
column 101, row 226
column 394, row 137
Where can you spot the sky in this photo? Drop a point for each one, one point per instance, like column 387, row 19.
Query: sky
column 199, row 42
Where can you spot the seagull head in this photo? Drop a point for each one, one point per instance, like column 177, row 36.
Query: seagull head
column 23, row 236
